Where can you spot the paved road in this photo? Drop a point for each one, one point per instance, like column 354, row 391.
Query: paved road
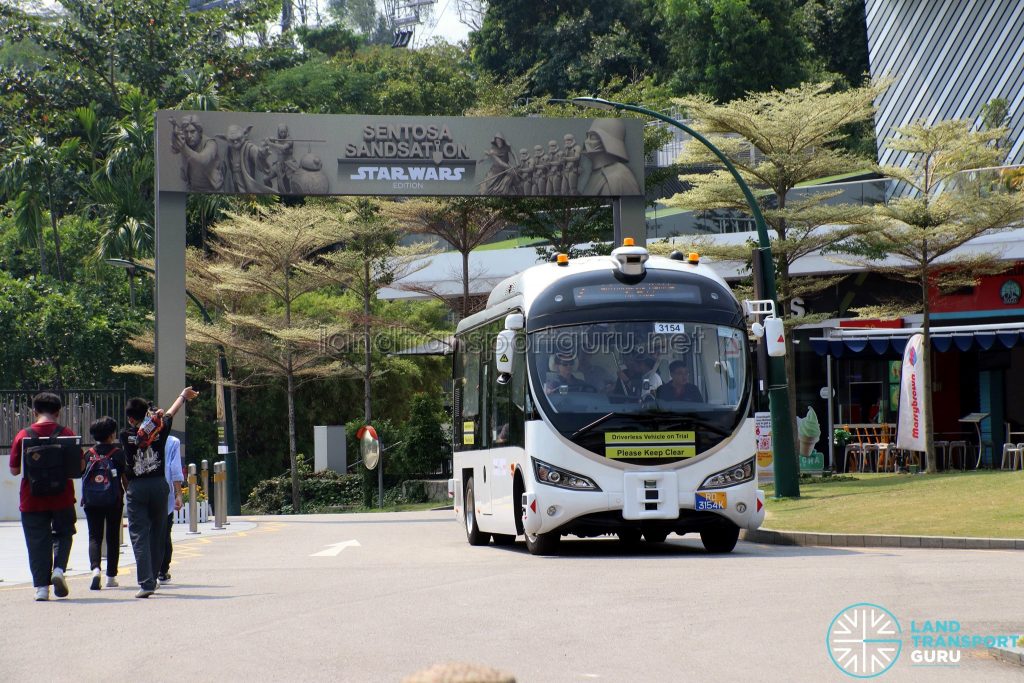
column 282, row 601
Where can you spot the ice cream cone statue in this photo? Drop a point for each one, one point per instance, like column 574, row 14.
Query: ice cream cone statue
column 809, row 432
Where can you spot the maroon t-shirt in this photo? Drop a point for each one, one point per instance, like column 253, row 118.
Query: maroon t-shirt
column 30, row 503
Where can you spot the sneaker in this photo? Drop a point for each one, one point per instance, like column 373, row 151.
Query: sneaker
column 60, row 584
column 164, row 578
column 112, row 582
column 42, row 593
column 95, row 585
column 144, row 592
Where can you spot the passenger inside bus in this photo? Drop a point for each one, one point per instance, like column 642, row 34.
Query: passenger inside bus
column 639, row 367
column 679, row 388
column 561, row 378
column 594, row 373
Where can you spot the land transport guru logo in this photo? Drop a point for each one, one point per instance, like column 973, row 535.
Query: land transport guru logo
column 865, row 640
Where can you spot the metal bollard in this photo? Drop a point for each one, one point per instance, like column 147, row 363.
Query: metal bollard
column 219, row 501
column 193, row 503
column 206, row 479
column 224, row 492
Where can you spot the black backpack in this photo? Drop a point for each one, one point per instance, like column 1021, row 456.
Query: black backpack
column 44, row 462
column 100, row 487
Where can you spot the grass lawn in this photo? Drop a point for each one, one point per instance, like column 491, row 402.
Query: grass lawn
column 979, row 504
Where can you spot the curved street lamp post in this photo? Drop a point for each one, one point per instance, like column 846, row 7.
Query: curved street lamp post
column 226, row 432
column 785, row 464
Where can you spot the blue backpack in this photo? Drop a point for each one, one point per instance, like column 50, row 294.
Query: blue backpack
column 100, row 487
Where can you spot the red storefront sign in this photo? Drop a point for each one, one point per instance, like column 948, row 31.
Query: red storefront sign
column 992, row 293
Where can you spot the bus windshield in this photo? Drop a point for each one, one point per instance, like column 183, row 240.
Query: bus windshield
column 583, row 374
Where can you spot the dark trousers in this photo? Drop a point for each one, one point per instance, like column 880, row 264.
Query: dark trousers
column 48, row 538
column 104, row 522
column 165, row 568
column 147, row 517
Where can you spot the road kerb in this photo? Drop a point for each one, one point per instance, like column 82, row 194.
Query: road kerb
column 809, row 538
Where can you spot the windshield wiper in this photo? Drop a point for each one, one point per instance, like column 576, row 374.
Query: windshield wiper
column 598, row 421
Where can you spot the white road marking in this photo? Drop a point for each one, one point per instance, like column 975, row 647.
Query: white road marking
column 335, row 549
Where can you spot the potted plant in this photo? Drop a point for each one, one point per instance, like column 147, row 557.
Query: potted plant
column 841, row 437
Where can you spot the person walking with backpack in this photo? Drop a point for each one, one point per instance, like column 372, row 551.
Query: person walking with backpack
column 47, row 498
column 144, row 444
column 103, row 498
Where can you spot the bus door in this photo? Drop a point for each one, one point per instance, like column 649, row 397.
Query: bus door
column 484, row 475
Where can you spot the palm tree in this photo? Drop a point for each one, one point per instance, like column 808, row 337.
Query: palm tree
column 34, row 177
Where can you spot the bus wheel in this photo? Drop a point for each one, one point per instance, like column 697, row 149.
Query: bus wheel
column 720, row 539
column 656, row 536
column 503, row 539
column 473, row 533
column 543, row 544
column 628, row 536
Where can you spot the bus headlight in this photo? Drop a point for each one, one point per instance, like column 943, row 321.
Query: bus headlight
column 737, row 474
column 563, row 479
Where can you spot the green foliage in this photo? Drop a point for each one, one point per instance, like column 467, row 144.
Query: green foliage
column 729, row 48
column 837, row 30
column 330, row 40
column 570, row 46
column 424, row 444
column 320, row 490
column 433, row 81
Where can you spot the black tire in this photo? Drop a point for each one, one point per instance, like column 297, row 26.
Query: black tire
column 628, row 536
column 720, row 539
column 543, row 544
column 655, row 536
column 503, row 539
column 473, row 533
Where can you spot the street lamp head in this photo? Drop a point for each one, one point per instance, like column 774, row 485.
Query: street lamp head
column 595, row 103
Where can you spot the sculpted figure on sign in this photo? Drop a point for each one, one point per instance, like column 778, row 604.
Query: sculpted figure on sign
column 202, row 169
column 606, row 150
column 285, row 166
column 571, row 155
column 247, row 164
column 501, row 177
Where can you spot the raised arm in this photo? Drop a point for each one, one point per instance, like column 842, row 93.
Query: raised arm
column 187, row 394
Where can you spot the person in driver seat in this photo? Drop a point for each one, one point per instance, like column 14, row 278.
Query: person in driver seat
column 562, row 365
column 679, row 388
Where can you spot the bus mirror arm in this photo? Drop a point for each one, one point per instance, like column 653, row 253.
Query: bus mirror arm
column 503, row 378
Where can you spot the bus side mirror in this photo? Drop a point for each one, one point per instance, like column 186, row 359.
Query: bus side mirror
column 504, row 352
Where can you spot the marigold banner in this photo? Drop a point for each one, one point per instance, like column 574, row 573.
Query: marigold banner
column 911, row 430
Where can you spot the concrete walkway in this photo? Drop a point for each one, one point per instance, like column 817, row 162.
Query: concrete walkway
column 14, row 557
column 1012, row 655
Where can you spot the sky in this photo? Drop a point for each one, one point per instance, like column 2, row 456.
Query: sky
column 447, row 26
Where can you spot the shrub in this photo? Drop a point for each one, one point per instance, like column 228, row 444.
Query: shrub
column 425, row 447
column 320, row 490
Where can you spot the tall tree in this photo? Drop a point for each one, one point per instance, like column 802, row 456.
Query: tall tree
column 571, row 46
column 271, row 255
column 838, row 33
column 37, row 177
column 463, row 222
column 796, row 134
column 730, row 48
column 938, row 208
column 371, row 257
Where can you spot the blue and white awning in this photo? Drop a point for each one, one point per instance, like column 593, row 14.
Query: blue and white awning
column 848, row 342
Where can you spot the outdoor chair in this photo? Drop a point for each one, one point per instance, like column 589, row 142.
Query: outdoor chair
column 958, row 448
column 886, row 457
column 1011, row 454
column 870, row 459
column 941, row 453
column 853, row 451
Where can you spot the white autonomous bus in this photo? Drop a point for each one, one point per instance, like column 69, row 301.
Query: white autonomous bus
column 605, row 395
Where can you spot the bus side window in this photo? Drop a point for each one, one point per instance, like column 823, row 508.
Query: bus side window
column 468, row 426
column 517, row 387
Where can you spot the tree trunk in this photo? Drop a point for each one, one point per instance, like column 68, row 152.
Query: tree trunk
column 292, row 458
column 286, row 15
column 56, row 246
column 131, row 288
column 43, row 268
column 926, row 374
column 465, row 284
column 367, row 351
